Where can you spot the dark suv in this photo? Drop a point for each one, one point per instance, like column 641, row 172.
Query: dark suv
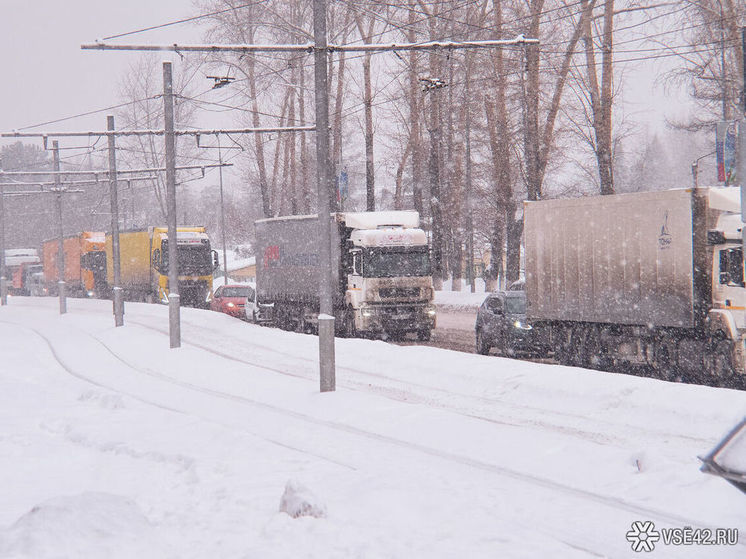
column 501, row 323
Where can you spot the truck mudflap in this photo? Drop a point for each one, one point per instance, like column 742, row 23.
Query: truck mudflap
column 739, row 354
column 395, row 318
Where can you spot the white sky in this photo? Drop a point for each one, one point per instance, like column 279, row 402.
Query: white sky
column 48, row 76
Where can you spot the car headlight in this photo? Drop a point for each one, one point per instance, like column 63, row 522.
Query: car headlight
column 230, row 305
column 431, row 311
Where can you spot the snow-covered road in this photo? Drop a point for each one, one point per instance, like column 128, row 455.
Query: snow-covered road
column 421, row 452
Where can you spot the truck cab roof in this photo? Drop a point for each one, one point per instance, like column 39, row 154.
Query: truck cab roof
column 388, row 237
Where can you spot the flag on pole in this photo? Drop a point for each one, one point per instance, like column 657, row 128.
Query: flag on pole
column 725, row 150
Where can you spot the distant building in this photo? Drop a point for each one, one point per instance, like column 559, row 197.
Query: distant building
column 241, row 270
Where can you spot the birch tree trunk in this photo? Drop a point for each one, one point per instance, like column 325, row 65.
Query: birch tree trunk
column 600, row 96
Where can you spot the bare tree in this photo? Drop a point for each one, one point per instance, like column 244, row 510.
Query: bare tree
column 712, row 58
column 142, row 89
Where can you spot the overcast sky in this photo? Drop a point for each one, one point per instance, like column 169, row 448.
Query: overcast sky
column 47, row 76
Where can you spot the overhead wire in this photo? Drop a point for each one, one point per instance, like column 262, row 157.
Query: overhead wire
column 185, row 20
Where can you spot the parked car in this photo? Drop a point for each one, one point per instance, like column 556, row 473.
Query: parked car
column 230, row 299
column 257, row 312
column 501, row 323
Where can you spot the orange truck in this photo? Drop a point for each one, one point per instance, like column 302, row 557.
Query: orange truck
column 20, row 264
column 85, row 264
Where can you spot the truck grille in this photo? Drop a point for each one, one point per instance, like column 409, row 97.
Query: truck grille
column 399, row 292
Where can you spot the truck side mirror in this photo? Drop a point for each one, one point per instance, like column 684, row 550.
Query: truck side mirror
column 215, row 260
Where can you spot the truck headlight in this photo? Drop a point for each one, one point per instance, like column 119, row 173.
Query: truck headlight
column 367, row 311
column 230, row 305
column 522, row 325
column 431, row 311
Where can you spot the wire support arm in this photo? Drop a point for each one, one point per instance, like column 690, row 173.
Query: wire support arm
column 309, row 48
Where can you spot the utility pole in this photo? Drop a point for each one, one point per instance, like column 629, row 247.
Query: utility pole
column 222, row 215
column 327, row 373
column 723, row 78
column 174, row 318
column 431, row 86
column 742, row 142
column 469, row 205
column 3, row 289
column 61, row 250
column 118, row 296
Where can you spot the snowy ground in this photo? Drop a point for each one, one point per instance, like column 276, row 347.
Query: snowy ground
column 113, row 445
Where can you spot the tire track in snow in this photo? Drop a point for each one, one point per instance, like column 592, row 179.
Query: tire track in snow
column 403, row 395
column 153, row 403
column 534, row 480
column 504, row 417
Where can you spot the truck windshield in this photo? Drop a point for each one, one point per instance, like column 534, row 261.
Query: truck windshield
column 396, row 262
column 193, row 259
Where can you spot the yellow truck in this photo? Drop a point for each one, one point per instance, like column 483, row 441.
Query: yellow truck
column 144, row 256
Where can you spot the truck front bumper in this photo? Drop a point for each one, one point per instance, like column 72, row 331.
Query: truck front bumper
column 396, row 318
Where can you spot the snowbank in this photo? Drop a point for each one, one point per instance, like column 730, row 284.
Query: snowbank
column 420, row 452
column 77, row 526
column 298, row 500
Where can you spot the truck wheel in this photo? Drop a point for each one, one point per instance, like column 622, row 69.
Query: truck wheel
column 562, row 349
column 301, row 326
column 722, row 362
column 664, row 362
column 483, row 348
column 424, row 335
column 350, row 329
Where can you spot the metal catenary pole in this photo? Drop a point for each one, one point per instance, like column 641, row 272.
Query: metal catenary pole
column 327, row 380
column 222, row 216
column 118, row 295
column 3, row 292
column 742, row 143
column 61, row 249
column 174, row 322
column 469, row 194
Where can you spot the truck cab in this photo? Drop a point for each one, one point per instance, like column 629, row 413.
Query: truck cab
column 389, row 286
column 196, row 262
column 727, row 315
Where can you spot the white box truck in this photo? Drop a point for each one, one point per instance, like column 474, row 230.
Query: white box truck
column 380, row 269
column 653, row 278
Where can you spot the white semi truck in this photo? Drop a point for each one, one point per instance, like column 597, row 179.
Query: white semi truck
column 380, row 269
column 654, row 278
